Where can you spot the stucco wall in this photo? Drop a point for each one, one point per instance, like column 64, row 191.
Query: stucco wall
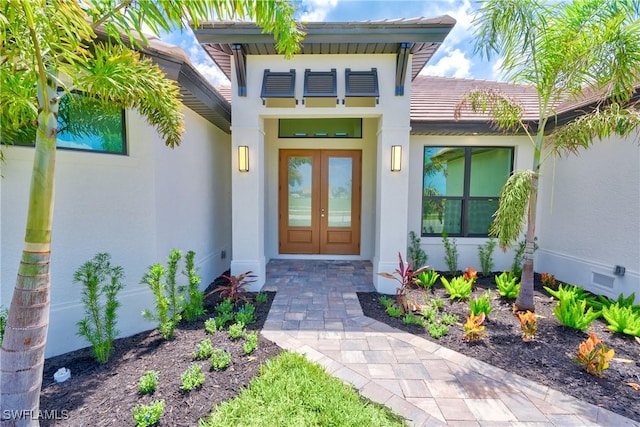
column 589, row 217
column 467, row 246
column 135, row 207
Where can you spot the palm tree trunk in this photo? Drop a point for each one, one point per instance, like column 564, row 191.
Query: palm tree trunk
column 23, row 346
column 525, row 297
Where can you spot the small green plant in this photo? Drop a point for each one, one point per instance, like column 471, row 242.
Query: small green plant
column 101, row 283
column 438, row 330
column 148, row 382
column 176, row 299
column 416, row 256
column 148, row 415
column 203, row 350
column 404, row 274
column 221, row 320
column 568, row 292
column 594, row 355
column 262, row 298
column 210, row 326
column 430, row 313
column 194, row 306
column 449, row 319
column 251, row 342
column 427, row 279
column 600, row 301
column 192, row 378
column 481, row 304
column 507, row 286
column 236, row 288
column 385, row 301
column 236, row 330
column 528, row 324
column 573, row 312
column 622, row 319
column 450, row 252
column 411, row 319
column 246, row 314
column 166, row 322
column 458, row 288
column 4, row 314
column 437, row 303
column 394, row 311
column 473, row 328
column 518, row 256
column 220, row 359
column 485, row 253
column 224, row 307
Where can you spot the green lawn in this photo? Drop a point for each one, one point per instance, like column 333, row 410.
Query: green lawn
column 291, row 391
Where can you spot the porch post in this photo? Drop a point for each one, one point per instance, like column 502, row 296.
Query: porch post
column 247, row 204
column 391, row 203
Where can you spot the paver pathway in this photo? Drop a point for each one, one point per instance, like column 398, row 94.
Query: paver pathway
column 316, row 312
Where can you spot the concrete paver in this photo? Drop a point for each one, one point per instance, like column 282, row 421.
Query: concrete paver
column 316, row 312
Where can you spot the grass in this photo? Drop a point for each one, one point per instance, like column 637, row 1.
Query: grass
column 291, row 391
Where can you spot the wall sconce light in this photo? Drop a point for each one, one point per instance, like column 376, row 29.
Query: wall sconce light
column 243, row 158
column 396, row 158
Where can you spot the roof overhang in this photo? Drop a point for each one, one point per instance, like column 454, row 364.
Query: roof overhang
column 419, row 37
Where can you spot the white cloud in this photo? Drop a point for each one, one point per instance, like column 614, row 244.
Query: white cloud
column 496, row 70
column 212, row 73
column 461, row 11
column 454, row 64
column 315, row 10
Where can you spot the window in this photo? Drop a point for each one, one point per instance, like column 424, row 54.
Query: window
column 337, row 127
column 85, row 124
column 461, row 187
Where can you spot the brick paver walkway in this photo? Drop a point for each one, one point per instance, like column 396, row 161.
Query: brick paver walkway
column 316, row 312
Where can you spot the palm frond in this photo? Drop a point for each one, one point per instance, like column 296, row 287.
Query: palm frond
column 510, row 217
column 504, row 112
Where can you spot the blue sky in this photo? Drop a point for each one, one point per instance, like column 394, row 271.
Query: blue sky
column 455, row 58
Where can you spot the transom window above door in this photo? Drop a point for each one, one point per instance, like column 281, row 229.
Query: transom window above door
column 336, row 127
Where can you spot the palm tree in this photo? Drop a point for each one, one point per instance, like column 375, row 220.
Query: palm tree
column 564, row 50
column 47, row 49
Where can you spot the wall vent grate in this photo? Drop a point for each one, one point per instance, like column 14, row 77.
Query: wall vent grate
column 602, row 280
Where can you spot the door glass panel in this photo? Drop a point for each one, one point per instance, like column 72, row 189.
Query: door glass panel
column 339, row 191
column 299, row 177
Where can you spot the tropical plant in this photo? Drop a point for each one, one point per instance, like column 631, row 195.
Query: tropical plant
column 528, row 324
column 481, row 304
column 485, row 253
column 220, row 359
column 548, row 280
column 166, row 322
column 101, row 283
column 573, row 312
column 568, row 292
column 622, row 319
column 507, row 286
column 562, row 50
column 473, row 329
column 601, row 301
column 250, row 343
column 148, row 415
column 235, row 289
column 427, row 279
column 458, row 287
column 404, row 274
column 52, row 44
column 594, row 355
column 416, row 256
column 148, row 382
column 194, row 305
column 470, row 274
column 450, row 252
column 192, row 378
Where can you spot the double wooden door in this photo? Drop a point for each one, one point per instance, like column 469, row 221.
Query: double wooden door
column 319, row 201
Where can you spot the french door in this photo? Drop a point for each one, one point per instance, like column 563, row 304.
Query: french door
column 319, row 201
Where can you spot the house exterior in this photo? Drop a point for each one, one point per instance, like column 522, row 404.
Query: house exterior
column 336, row 153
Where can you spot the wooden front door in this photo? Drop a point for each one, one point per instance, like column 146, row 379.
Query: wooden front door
column 319, row 201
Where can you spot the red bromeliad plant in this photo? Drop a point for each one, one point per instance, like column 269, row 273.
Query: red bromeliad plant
column 405, row 276
column 235, row 290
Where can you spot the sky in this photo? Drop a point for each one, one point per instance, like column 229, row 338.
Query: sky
column 455, row 58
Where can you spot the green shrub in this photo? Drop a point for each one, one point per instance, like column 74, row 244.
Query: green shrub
column 101, row 283
column 148, row 415
column 449, row 319
column 148, row 382
column 194, row 306
column 450, row 253
column 166, row 322
column 224, row 307
column 430, row 313
column 246, row 314
column 394, row 311
column 507, row 286
column 385, row 301
column 622, row 319
column 485, row 253
column 572, row 312
column 437, row 303
column 251, row 342
column 411, row 319
column 482, row 304
column 262, row 298
column 203, row 350
column 458, row 288
column 220, row 359
column 236, row 330
column 416, row 256
column 210, row 326
column 438, row 330
column 192, row 378
column 427, row 279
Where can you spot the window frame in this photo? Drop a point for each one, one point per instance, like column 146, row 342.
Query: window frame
column 465, row 198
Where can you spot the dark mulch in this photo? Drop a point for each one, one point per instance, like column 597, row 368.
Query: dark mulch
column 106, row 394
column 547, row 360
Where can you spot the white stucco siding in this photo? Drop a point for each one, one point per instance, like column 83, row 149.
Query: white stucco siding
column 589, row 217
column 467, row 246
column 116, row 204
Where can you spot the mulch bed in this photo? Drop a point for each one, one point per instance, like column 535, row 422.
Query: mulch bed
column 548, row 359
column 106, row 394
